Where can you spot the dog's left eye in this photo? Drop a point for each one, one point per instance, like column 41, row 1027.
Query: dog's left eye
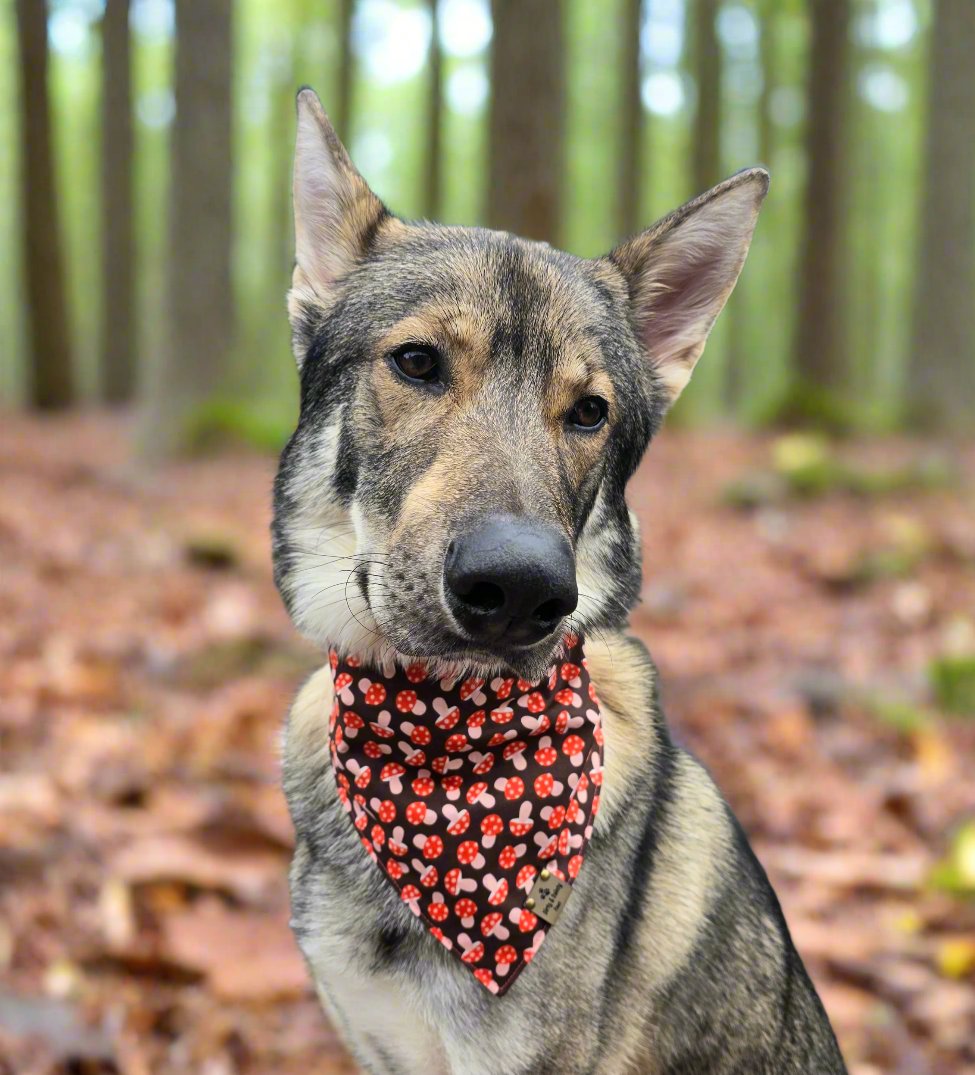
column 417, row 363
column 588, row 413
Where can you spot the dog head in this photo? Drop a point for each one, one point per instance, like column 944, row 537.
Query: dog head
column 472, row 406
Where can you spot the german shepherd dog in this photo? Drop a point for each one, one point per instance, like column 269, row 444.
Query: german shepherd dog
column 452, row 377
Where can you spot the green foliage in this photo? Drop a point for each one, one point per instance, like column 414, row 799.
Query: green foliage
column 901, row 716
column 227, row 660
column 956, row 871
column 953, row 682
column 887, row 563
column 814, row 407
column 805, row 466
column 236, row 422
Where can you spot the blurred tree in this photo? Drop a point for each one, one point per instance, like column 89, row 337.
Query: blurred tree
column 630, row 217
column 942, row 362
column 738, row 385
column 118, row 341
column 866, row 208
column 200, row 295
column 298, row 63
column 706, row 139
column 707, row 165
column 344, row 96
column 433, row 121
column 820, row 344
column 836, row 295
column 527, row 123
column 51, row 381
column 768, row 48
column 281, row 241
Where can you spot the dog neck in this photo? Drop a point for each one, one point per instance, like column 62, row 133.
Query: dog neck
column 625, row 679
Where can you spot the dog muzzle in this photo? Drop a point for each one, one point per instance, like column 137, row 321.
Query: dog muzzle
column 476, row 799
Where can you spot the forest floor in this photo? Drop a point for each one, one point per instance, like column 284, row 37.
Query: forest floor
column 810, row 608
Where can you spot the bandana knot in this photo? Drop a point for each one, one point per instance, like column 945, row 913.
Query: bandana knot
column 475, row 798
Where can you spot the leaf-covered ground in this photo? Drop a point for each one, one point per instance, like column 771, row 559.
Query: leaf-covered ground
column 810, row 608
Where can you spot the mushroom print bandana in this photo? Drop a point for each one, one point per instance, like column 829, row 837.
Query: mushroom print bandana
column 475, row 798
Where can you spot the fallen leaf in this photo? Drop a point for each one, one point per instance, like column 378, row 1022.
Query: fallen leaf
column 59, row 1024
column 850, row 869
column 249, row 875
column 245, row 956
column 956, row 956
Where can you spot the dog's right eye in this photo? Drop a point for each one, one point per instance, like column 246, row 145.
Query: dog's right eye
column 418, row 364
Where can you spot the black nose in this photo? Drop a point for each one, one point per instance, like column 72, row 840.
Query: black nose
column 511, row 577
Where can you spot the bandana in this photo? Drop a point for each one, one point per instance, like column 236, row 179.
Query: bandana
column 476, row 799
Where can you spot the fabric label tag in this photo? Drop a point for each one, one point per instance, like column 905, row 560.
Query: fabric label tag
column 550, row 896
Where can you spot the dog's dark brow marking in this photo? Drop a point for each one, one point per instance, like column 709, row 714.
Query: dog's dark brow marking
column 525, row 298
column 591, row 366
column 372, row 228
column 508, row 336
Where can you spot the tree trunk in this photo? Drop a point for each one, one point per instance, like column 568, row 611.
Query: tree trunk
column 942, row 365
column 768, row 51
column 739, row 368
column 707, row 168
column 346, row 80
column 51, row 384
column 119, row 358
column 432, row 166
column 707, row 77
column 526, row 130
column 737, row 380
column 631, row 149
column 295, row 66
column 820, row 347
column 200, row 294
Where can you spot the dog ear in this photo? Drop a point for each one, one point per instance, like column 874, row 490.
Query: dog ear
column 336, row 214
column 681, row 271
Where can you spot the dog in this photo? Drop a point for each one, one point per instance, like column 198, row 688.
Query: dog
column 472, row 407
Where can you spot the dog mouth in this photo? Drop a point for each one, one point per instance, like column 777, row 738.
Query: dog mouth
column 501, row 652
column 418, row 632
column 453, row 650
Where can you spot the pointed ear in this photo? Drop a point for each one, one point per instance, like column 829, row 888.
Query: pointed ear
column 681, row 271
column 336, row 214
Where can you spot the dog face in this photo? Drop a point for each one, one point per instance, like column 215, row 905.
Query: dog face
column 472, row 406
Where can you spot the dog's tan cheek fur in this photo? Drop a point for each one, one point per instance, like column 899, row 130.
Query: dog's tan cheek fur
column 443, row 490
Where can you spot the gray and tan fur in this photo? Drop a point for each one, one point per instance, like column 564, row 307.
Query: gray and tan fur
column 688, row 965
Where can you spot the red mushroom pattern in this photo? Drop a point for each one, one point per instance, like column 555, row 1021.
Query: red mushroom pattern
column 544, row 796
